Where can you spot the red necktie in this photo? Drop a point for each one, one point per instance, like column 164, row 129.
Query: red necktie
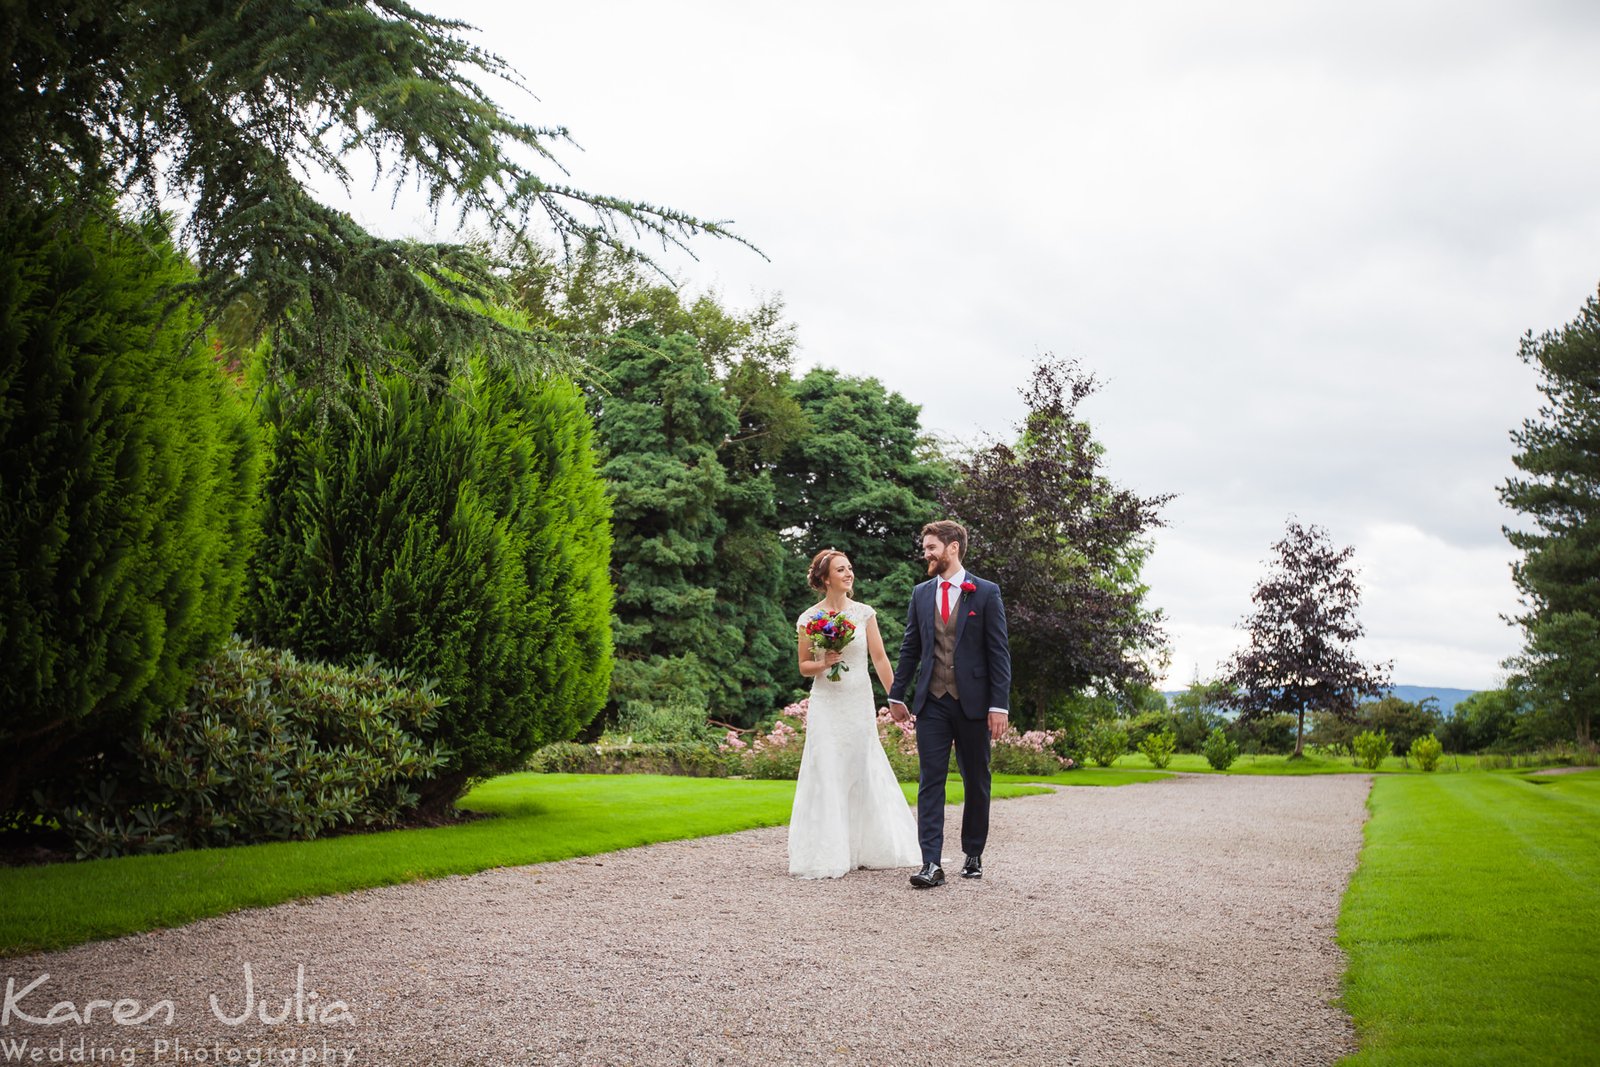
column 944, row 601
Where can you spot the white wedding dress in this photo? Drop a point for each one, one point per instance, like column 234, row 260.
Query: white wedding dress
column 849, row 811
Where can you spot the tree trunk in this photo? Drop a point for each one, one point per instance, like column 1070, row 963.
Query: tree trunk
column 1299, row 735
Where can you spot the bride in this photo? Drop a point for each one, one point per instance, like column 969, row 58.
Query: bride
column 849, row 811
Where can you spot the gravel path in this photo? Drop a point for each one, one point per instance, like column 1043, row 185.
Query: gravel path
column 1188, row 921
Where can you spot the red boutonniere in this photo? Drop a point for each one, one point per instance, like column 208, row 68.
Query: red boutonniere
column 968, row 587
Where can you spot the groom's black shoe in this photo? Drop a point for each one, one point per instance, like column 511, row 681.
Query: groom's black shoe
column 931, row 875
column 973, row 868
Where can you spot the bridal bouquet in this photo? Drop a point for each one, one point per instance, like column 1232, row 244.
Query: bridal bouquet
column 831, row 631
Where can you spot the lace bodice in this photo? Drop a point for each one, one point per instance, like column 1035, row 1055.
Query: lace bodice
column 855, row 653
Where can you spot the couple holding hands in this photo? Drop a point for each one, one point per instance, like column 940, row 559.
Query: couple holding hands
column 849, row 812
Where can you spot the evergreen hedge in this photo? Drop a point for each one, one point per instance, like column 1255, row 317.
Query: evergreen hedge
column 463, row 537
column 128, row 472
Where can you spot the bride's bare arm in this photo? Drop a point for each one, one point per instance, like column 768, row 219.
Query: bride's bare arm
column 880, row 658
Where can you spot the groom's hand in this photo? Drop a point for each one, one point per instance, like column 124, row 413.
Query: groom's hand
column 898, row 712
column 998, row 721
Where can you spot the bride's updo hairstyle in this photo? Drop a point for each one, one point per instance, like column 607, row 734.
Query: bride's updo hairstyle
column 821, row 564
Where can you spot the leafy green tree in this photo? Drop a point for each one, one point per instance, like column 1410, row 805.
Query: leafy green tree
column 1066, row 545
column 1488, row 719
column 226, row 106
column 1298, row 658
column 461, row 537
column 1196, row 712
column 863, row 479
column 1402, row 721
column 127, row 498
column 1559, row 573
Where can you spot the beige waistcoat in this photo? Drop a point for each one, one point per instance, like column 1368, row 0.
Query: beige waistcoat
column 943, row 682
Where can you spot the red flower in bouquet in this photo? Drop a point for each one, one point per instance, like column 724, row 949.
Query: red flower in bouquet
column 831, row 631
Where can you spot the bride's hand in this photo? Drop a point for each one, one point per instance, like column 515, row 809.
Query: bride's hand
column 832, row 657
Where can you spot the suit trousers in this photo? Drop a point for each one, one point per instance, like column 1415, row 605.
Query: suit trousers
column 941, row 725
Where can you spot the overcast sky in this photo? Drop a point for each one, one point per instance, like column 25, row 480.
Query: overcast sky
column 1299, row 243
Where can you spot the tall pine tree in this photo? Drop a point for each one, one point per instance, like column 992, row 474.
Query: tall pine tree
column 1559, row 573
column 746, row 357
column 660, row 418
column 863, row 479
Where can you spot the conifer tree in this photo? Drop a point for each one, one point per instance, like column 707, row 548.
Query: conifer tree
column 747, row 356
column 1559, row 490
column 128, row 473
column 863, row 479
column 460, row 536
column 659, row 419
column 226, row 106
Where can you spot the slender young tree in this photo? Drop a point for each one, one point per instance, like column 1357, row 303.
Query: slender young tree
column 228, row 106
column 1298, row 658
column 1559, row 573
column 1066, row 545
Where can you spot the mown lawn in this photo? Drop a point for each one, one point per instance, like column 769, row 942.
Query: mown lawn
column 538, row 818
column 1473, row 922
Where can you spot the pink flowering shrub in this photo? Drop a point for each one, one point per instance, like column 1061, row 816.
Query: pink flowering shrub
column 1034, row 752
column 899, row 741
column 770, row 753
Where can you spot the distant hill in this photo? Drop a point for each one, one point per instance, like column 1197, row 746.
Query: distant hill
column 1448, row 698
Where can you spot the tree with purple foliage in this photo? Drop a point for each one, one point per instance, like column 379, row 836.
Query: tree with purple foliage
column 1065, row 544
column 1299, row 658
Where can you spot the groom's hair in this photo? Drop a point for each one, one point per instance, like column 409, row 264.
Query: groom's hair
column 951, row 533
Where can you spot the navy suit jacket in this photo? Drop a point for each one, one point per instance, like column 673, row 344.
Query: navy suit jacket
column 983, row 650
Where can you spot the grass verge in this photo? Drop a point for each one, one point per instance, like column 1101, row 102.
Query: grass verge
column 1473, row 922
column 540, row 818
column 1283, row 765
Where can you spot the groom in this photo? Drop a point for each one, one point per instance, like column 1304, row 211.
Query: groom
column 956, row 638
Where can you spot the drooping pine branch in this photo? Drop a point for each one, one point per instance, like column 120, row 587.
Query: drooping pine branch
column 228, row 107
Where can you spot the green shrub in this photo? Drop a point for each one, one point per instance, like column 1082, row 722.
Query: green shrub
column 698, row 760
column 1220, row 750
column 267, row 748
column 127, row 499
column 463, row 537
column 1105, row 743
column 641, row 722
column 1144, row 724
column 1564, row 754
column 1158, row 748
column 1015, row 759
column 1370, row 748
column 1426, row 750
